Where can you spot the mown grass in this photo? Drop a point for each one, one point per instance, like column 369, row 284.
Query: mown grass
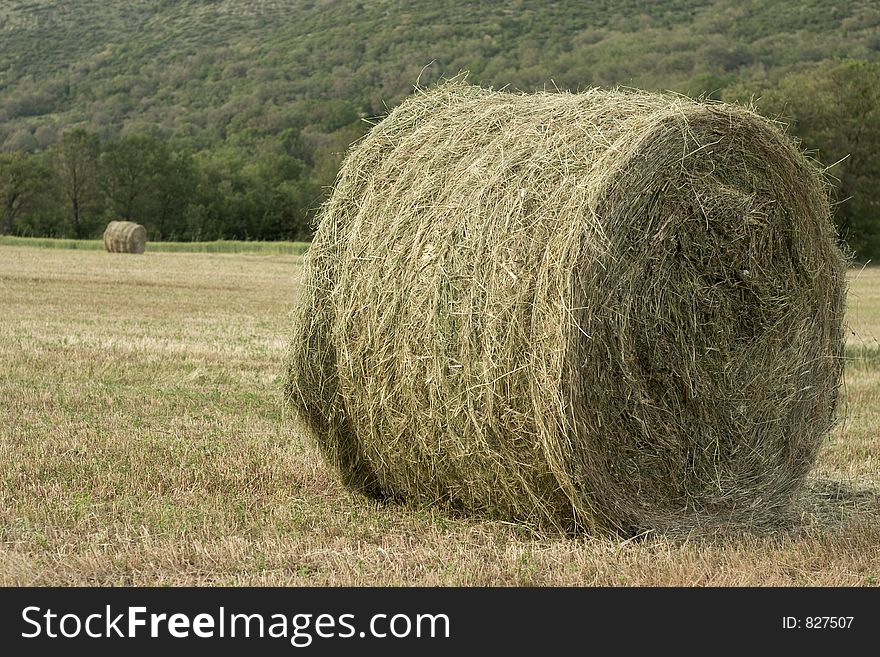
column 143, row 441
column 217, row 246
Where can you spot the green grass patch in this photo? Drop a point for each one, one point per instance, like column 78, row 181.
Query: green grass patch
column 51, row 243
column 218, row 246
column 863, row 356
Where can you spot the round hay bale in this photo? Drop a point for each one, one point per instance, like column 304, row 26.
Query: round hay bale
column 125, row 237
column 609, row 310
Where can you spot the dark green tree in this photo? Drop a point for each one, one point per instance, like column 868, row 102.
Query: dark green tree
column 834, row 108
column 24, row 179
column 148, row 182
column 76, row 161
column 262, row 194
column 173, row 186
column 838, row 114
column 126, row 166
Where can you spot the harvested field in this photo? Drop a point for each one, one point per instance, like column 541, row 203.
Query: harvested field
column 145, row 442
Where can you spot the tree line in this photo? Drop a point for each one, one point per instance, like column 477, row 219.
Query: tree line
column 269, row 186
column 268, row 191
column 833, row 108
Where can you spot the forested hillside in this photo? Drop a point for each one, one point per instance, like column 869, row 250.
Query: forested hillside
column 228, row 118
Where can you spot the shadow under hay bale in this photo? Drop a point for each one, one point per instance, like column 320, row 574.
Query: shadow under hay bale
column 829, row 503
column 125, row 237
column 610, row 310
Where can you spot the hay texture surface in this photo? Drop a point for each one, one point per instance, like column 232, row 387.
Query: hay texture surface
column 125, row 237
column 600, row 311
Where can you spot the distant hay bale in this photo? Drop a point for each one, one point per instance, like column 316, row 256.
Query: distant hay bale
column 125, row 237
column 603, row 311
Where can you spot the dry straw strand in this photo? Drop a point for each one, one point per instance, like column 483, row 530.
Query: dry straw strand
column 603, row 311
column 125, row 237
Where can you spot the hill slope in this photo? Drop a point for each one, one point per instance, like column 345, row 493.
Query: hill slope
column 273, row 91
column 204, row 69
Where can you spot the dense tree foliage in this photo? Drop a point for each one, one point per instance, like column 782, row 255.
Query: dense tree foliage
column 834, row 108
column 22, row 181
column 76, row 160
column 228, row 118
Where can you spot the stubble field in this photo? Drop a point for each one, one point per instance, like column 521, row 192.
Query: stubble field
column 143, row 441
